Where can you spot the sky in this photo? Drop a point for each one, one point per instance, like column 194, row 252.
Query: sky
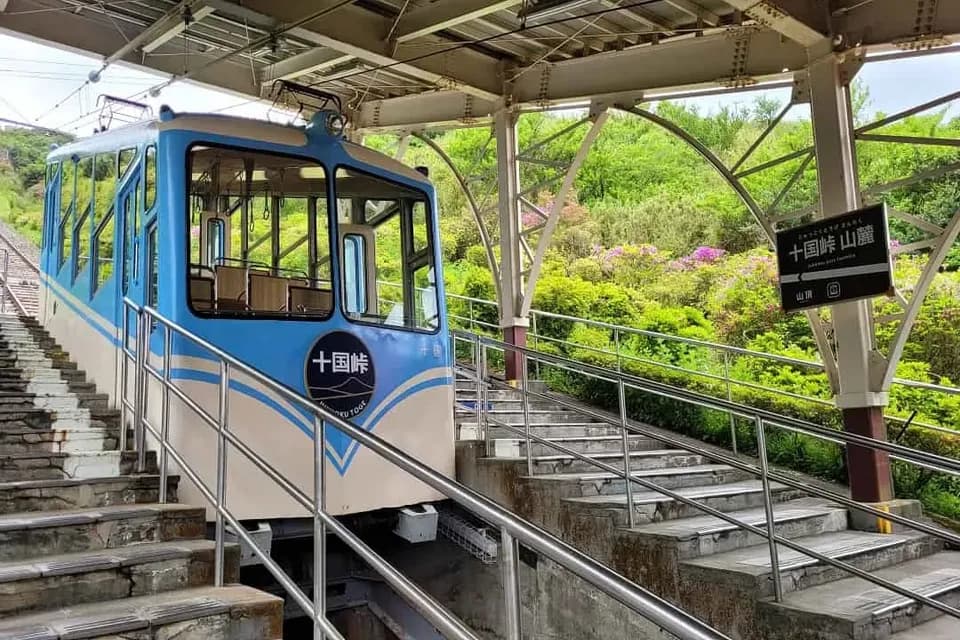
column 37, row 79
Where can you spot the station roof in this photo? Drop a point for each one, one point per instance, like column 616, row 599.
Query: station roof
column 411, row 63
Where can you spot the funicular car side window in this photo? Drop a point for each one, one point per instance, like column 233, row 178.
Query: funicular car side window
column 386, row 248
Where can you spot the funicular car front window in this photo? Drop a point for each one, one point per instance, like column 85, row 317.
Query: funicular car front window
column 386, row 249
column 258, row 234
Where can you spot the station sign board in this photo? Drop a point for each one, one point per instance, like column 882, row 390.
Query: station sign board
column 835, row 260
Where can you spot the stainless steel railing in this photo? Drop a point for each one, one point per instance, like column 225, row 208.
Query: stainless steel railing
column 479, row 373
column 513, row 530
column 724, row 356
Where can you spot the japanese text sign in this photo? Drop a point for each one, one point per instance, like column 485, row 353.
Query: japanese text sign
column 836, row 259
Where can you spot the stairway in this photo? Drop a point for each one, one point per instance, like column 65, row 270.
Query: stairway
column 86, row 550
column 709, row 567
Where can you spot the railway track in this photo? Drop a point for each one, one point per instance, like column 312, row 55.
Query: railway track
column 19, row 274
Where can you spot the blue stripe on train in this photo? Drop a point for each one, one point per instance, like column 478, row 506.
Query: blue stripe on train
column 339, row 440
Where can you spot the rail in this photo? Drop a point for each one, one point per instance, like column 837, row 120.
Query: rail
column 479, row 373
column 513, row 530
column 7, row 291
column 724, row 361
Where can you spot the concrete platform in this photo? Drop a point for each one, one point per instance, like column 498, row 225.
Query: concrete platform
column 750, row 568
column 234, row 612
column 856, row 609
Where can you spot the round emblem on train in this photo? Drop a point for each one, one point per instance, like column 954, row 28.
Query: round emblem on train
column 339, row 374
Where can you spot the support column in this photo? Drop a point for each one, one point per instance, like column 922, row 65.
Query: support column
column 511, row 267
column 862, row 406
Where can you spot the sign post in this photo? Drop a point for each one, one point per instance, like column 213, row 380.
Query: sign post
column 834, row 260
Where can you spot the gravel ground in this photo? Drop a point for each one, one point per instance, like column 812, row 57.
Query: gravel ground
column 18, row 241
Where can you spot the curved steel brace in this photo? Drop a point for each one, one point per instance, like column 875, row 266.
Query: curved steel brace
column 559, row 200
column 937, row 256
column 820, row 336
column 717, row 163
column 474, row 208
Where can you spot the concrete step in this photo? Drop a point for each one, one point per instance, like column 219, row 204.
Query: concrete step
column 53, row 495
column 856, row 609
column 705, row 535
column 28, row 362
column 233, row 612
column 40, row 420
column 651, row 506
column 639, row 460
column 470, row 431
column 515, row 447
column 64, row 401
column 749, row 569
column 42, row 465
column 511, row 405
column 70, row 440
column 593, row 484
column 38, row 533
column 78, row 578
column 513, row 417
column 37, row 417
column 15, row 375
column 943, row 628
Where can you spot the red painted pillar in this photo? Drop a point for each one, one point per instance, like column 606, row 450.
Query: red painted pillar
column 868, row 469
column 516, row 336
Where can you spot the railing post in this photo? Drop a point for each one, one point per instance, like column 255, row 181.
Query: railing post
column 525, row 399
column 483, row 399
column 616, row 343
column 223, row 416
column 628, row 483
column 536, row 339
column 768, row 508
column 476, row 373
column 733, row 418
column 165, row 411
column 124, row 374
column 319, row 528
column 139, row 433
column 511, row 584
column 470, row 313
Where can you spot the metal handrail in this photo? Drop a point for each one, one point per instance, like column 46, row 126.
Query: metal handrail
column 761, row 419
column 725, row 349
column 513, row 530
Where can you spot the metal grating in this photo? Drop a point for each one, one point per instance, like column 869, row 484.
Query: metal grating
column 475, row 540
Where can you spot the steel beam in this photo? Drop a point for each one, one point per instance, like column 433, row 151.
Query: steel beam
column 695, row 10
column 360, row 33
column 303, row 63
column 860, row 396
column 438, row 108
column 682, row 62
column 438, row 16
column 559, row 201
column 773, row 15
column 170, row 29
column 85, row 34
column 511, row 266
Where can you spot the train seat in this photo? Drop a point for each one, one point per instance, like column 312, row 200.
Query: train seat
column 201, row 293
column 307, row 300
column 268, row 293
